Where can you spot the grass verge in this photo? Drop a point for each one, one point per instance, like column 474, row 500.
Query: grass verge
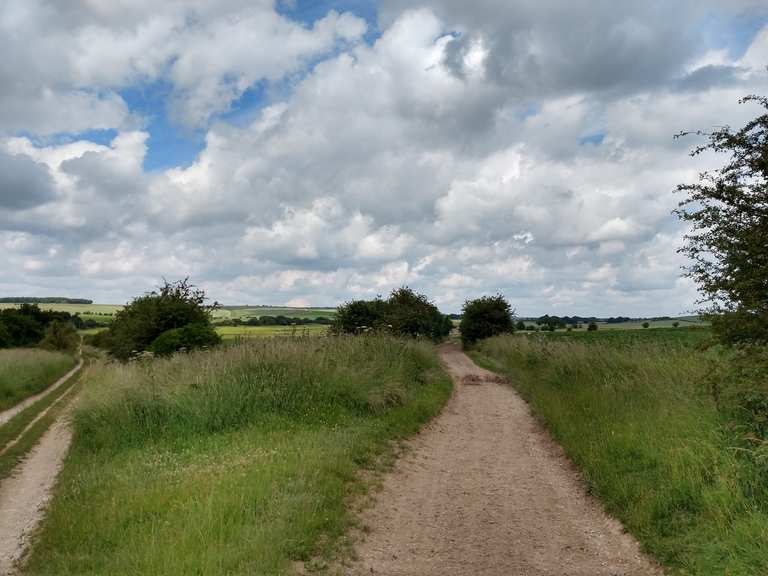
column 234, row 461
column 635, row 415
column 27, row 371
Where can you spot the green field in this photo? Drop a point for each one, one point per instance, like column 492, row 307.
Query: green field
column 233, row 461
column 25, row 372
column 104, row 312
column 245, row 312
column 635, row 412
column 235, row 332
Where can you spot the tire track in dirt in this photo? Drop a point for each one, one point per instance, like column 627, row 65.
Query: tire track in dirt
column 485, row 490
column 25, row 494
column 6, row 415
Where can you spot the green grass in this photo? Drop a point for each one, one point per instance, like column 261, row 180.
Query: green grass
column 633, row 412
column 234, row 461
column 27, row 371
column 236, row 332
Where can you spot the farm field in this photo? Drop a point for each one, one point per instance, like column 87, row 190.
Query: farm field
column 104, row 312
column 26, row 371
column 232, row 461
column 235, row 332
column 634, row 411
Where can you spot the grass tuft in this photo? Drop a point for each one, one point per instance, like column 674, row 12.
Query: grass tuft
column 27, row 371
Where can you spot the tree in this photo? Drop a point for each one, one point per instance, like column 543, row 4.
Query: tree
column 60, row 335
column 520, row 325
column 728, row 214
column 355, row 316
column 675, row 324
column 138, row 324
column 189, row 337
column 485, row 317
column 405, row 313
column 646, row 324
column 592, row 326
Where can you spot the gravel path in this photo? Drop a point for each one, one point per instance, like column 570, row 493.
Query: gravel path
column 485, row 491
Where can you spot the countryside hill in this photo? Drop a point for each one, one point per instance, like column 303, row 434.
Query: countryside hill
column 539, row 231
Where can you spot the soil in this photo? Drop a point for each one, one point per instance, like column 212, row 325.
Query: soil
column 485, row 490
column 25, row 494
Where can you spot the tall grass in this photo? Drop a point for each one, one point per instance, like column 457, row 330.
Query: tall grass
column 636, row 417
column 27, row 371
column 235, row 461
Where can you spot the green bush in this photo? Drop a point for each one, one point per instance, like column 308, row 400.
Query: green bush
column 174, row 305
column 189, row 337
column 60, row 336
column 5, row 337
column 646, row 324
column 592, row 326
column 358, row 315
column 404, row 313
column 485, row 317
column 740, row 326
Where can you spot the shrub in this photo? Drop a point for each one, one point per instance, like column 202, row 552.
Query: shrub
column 646, row 324
column 189, row 337
column 520, row 325
column 5, row 337
column 740, row 326
column 485, row 317
column 404, row 313
column 174, row 305
column 60, row 336
column 675, row 324
column 592, row 326
column 409, row 313
column 357, row 315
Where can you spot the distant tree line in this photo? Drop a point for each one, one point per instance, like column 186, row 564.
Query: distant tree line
column 46, row 300
column 278, row 320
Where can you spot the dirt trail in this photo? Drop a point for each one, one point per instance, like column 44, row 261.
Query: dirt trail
column 24, row 495
column 485, row 490
column 11, row 412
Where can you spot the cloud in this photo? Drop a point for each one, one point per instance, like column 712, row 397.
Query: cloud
column 23, row 182
column 455, row 152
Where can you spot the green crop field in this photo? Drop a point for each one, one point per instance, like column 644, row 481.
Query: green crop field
column 235, row 332
column 104, row 312
column 245, row 312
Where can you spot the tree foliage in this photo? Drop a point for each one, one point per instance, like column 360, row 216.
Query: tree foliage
column 60, row 335
column 189, row 337
column 405, row 313
column 728, row 242
column 173, row 305
column 485, row 317
column 26, row 325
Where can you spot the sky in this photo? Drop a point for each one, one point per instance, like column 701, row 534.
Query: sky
column 311, row 152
